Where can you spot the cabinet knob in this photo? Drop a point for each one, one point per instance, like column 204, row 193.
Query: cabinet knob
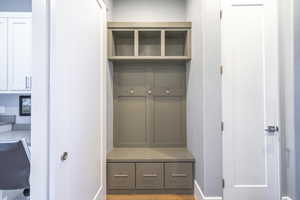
column 149, row 91
column 131, row 91
column 168, row 91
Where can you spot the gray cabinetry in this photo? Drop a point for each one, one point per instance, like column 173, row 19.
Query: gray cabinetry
column 149, row 105
column 130, row 105
column 178, row 175
column 121, row 175
column 149, row 175
column 150, row 170
column 149, row 110
column 149, row 41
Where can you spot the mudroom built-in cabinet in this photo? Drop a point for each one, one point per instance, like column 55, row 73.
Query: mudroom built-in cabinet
column 15, row 52
column 149, row 152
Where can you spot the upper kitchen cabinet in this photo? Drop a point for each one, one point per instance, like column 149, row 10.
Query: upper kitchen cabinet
column 15, row 52
column 3, row 54
column 19, row 54
column 149, row 41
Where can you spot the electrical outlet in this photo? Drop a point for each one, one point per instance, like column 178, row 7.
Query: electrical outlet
column 2, row 109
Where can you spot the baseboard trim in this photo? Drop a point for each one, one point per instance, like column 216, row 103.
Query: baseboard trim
column 199, row 195
column 100, row 195
column 286, row 198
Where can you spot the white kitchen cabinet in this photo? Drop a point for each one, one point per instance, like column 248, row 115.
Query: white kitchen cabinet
column 15, row 52
column 19, row 54
column 3, row 54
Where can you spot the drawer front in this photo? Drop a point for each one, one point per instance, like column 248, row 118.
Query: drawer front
column 121, row 175
column 149, row 175
column 179, row 175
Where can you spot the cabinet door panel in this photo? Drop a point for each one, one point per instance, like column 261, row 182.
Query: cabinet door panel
column 169, row 121
column 149, row 175
column 130, row 121
column 121, row 175
column 3, row 53
column 179, row 175
column 131, row 76
column 169, row 76
column 20, row 53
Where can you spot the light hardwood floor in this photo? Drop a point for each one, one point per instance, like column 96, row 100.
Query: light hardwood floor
column 150, row 197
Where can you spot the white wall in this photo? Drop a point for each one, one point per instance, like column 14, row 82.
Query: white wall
column 11, row 104
column 195, row 91
column 145, row 10
column 110, row 104
column 204, row 95
column 297, row 93
column 287, row 97
column 212, row 99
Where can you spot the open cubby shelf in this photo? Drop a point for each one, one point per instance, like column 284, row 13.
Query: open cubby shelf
column 149, row 43
column 155, row 41
column 176, row 43
column 122, row 43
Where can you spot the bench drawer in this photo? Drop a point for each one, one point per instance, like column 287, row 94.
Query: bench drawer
column 179, row 175
column 149, row 175
column 121, row 175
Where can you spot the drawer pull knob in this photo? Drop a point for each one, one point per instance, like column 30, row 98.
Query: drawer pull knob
column 131, row 91
column 179, row 175
column 168, row 91
column 121, row 175
column 150, row 175
column 149, row 92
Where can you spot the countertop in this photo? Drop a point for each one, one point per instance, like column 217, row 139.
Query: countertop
column 150, row 155
column 16, row 135
column 4, row 123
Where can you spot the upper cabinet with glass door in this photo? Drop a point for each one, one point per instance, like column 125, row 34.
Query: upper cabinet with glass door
column 149, row 40
column 15, row 52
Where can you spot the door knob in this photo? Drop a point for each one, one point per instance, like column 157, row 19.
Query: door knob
column 64, row 156
column 271, row 130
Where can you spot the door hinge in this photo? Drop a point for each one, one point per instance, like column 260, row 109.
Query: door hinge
column 221, row 69
column 223, row 183
column 221, row 14
column 222, row 126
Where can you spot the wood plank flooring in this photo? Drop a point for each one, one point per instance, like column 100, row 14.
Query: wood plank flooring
column 151, row 197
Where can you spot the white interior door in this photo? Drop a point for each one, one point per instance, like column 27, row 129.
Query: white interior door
column 250, row 100
column 77, row 100
column 19, row 53
column 3, row 53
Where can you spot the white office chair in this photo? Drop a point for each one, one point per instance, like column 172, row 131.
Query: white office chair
column 15, row 166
